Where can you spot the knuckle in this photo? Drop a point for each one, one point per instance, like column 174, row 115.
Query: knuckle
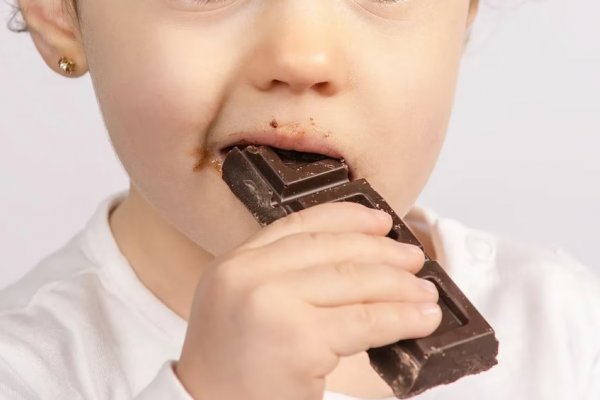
column 226, row 276
column 348, row 271
column 302, row 240
column 307, row 240
column 261, row 301
column 315, row 237
column 365, row 316
column 229, row 274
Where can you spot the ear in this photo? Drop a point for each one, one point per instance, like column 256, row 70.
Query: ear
column 55, row 32
column 473, row 9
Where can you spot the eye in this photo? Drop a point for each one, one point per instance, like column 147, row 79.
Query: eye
column 206, row 5
column 390, row 1
column 388, row 9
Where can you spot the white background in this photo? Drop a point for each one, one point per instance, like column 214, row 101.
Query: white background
column 522, row 157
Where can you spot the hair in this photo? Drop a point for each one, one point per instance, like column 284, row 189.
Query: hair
column 16, row 22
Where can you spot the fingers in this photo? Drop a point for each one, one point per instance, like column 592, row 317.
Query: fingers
column 329, row 217
column 351, row 283
column 305, row 250
column 355, row 328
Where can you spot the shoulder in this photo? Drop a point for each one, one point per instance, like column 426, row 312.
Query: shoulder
column 58, row 317
column 58, row 292
column 485, row 262
column 485, row 259
column 81, row 259
column 53, row 273
column 543, row 303
column 553, row 271
column 548, row 288
column 541, row 275
column 71, row 278
column 73, row 327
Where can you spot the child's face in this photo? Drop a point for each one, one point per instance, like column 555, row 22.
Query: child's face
column 178, row 81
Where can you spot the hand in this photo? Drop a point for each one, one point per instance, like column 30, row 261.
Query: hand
column 271, row 319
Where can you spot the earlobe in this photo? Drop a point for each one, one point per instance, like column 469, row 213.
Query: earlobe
column 55, row 35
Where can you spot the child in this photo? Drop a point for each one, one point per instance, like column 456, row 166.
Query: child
column 172, row 291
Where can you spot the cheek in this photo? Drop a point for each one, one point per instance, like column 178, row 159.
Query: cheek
column 158, row 97
column 149, row 109
column 413, row 89
column 160, row 78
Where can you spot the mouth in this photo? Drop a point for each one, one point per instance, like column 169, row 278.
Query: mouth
column 308, row 145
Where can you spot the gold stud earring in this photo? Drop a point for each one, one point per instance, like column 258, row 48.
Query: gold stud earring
column 66, row 65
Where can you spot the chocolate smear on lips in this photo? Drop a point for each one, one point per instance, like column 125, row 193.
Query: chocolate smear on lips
column 293, row 136
column 290, row 136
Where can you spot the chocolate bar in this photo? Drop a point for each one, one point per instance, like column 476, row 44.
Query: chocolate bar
column 274, row 183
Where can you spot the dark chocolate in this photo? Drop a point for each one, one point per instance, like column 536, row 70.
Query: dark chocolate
column 274, row 183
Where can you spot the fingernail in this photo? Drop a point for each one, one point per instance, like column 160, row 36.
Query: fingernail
column 411, row 248
column 429, row 309
column 428, row 286
column 380, row 214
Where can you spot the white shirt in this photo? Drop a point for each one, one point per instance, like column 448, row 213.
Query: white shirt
column 82, row 326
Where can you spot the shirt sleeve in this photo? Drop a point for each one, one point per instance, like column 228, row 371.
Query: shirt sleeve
column 165, row 385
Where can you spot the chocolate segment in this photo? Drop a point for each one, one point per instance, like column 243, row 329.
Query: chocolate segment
column 274, row 183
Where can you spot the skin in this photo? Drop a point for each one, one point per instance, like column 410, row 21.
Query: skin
column 178, row 82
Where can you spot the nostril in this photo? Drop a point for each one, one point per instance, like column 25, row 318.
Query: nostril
column 325, row 88
column 276, row 83
column 300, row 86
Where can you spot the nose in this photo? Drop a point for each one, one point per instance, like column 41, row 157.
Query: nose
column 299, row 50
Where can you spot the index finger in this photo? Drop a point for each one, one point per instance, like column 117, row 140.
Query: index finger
column 327, row 217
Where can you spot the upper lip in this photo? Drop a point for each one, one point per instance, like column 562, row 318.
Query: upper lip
column 302, row 141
